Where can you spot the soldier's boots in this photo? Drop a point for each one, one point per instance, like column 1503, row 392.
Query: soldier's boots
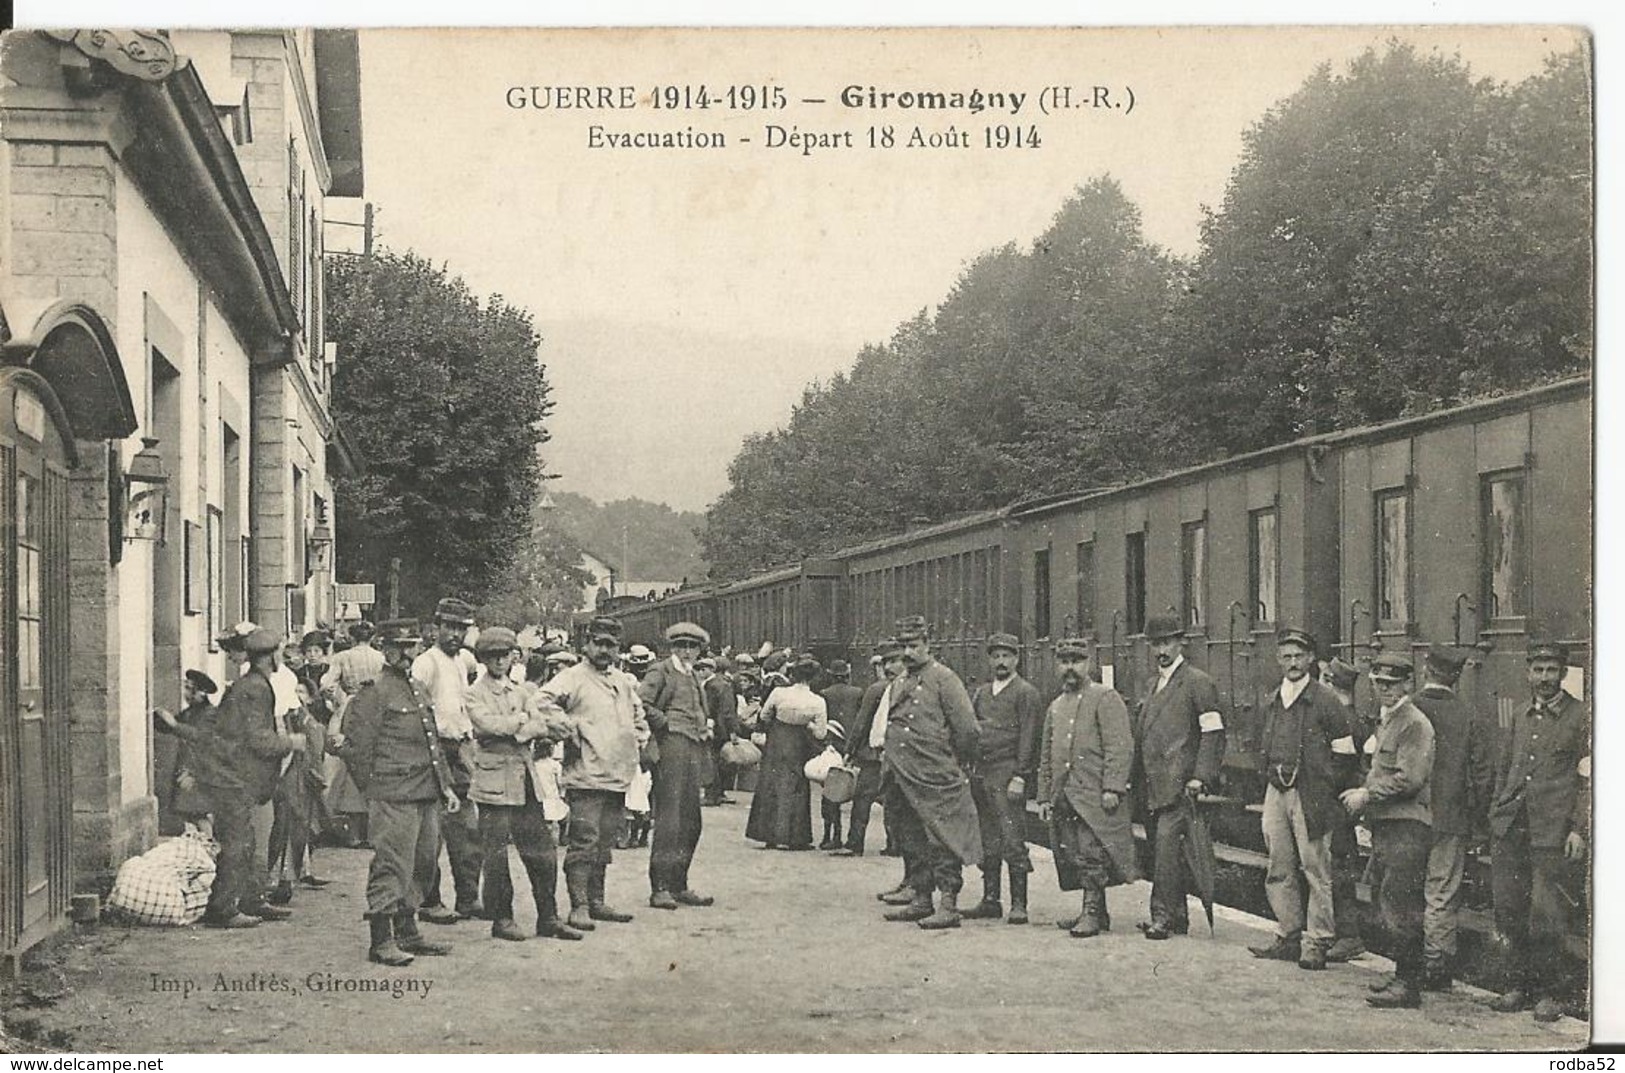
column 410, row 940
column 1400, row 995
column 1436, row 976
column 901, row 894
column 597, row 908
column 1087, row 923
column 1018, row 898
column 918, row 908
column 989, row 908
column 507, row 929
column 554, row 928
column 947, row 914
column 1346, row 949
column 384, row 951
column 1284, row 948
column 578, row 882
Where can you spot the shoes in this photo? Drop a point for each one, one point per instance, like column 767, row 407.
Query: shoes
column 308, row 880
column 1157, row 930
column 472, row 911
column 1284, row 948
column 946, row 916
column 557, row 929
column 235, row 921
column 267, row 911
column 600, row 911
column 826, row 844
column 984, row 910
column 1548, row 1010
column 1403, row 995
column 581, row 918
column 437, row 914
column 662, row 899
column 414, row 943
column 846, row 851
column 1436, row 977
column 693, row 897
column 388, row 953
column 507, row 929
column 1018, row 914
column 901, row 895
column 281, row 894
column 1388, row 980
column 916, row 910
column 1312, row 957
column 1511, row 1002
column 1345, row 950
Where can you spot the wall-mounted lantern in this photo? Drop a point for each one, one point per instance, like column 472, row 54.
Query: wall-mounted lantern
column 321, row 548
column 147, row 494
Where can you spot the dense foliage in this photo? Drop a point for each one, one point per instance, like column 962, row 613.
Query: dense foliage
column 657, row 542
column 1394, row 238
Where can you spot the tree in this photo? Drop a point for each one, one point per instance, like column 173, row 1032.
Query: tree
column 446, row 400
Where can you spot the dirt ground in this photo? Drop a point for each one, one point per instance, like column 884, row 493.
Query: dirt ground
column 793, row 957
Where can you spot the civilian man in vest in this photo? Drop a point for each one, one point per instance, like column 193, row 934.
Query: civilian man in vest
column 724, row 709
column 865, row 746
column 507, row 789
column 1009, row 714
column 600, row 704
column 675, row 708
column 1340, row 677
column 441, row 672
column 1308, row 756
column 931, row 741
column 391, row 745
column 1540, row 820
column 1463, row 776
column 1084, row 761
column 1395, row 801
column 1180, row 736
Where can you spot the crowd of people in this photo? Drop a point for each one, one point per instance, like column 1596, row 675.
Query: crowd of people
column 457, row 740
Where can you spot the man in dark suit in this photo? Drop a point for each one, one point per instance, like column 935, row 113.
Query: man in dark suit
column 720, row 702
column 675, row 707
column 1009, row 714
column 1180, row 737
column 865, row 746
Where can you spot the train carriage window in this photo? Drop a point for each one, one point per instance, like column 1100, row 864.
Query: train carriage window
column 1504, row 548
column 1193, row 573
column 1262, row 565
column 1041, row 593
column 1086, row 587
column 1134, row 581
column 30, row 605
column 1393, row 559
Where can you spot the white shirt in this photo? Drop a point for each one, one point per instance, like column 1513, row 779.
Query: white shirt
column 1000, row 683
column 1165, row 673
column 877, row 729
column 447, row 683
column 1291, row 691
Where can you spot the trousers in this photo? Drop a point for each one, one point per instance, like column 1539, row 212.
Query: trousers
column 405, row 839
column 595, row 818
column 927, row 864
column 1347, row 867
column 675, row 800
column 1291, row 850
column 236, row 876
column 1531, row 910
column 531, row 834
column 460, row 834
column 1077, row 844
column 1447, row 862
column 1399, row 850
column 1168, row 866
column 1003, row 825
column 864, row 796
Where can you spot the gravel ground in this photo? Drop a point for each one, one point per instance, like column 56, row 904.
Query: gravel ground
column 794, row 957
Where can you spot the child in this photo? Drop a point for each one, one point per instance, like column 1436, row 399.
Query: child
column 830, row 810
column 636, row 831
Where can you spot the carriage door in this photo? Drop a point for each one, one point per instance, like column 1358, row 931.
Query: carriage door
column 33, row 623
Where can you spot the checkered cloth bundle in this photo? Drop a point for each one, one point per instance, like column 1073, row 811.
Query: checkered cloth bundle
column 169, row 884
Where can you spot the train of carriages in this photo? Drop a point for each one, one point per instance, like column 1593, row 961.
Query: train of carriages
column 1470, row 525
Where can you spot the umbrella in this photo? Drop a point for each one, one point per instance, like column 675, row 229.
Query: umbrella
column 1198, row 852
column 1067, row 873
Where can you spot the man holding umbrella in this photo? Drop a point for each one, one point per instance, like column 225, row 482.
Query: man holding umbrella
column 1085, row 755
column 1180, row 734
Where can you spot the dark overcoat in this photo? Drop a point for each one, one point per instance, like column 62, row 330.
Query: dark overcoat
column 1086, row 749
column 931, row 740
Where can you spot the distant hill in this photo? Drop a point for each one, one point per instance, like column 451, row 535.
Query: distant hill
column 661, row 542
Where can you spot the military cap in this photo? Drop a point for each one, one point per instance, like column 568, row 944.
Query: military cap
column 1342, row 673
column 840, row 668
column 1548, row 650
column 639, row 655
column 261, row 642
column 891, row 646
column 1007, row 641
column 454, row 612
column 1162, row 627
column 315, row 637
column 706, row 663
column 687, row 633
column 836, row 730
column 495, row 640
column 361, row 631
column 1392, row 667
column 400, row 631
column 201, row 682
column 1292, row 635
column 604, row 626
column 1071, row 647
column 1447, row 659
column 910, row 628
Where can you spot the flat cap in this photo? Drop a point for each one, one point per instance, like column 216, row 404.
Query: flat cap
column 910, row 628
column 1007, row 641
column 1447, row 659
column 315, row 637
column 687, row 633
column 1392, row 667
column 840, row 668
column 1342, row 673
column 400, row 631
column 1162, row 627
column 261, row 641
column 562, row 658
column 495, row 640
column 201, row 682
column 706, row 663
column 604, row 626
column 1071, row 648
column 1549, row 650
column 454, row 612
column 1292, row 635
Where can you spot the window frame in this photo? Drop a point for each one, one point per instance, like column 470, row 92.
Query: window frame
column 1387, row 623
column 1134, row 586
column 1085, row 605
column 1193, row 584
column 1043, row 605
column 1521, row 560
column 1255, row 572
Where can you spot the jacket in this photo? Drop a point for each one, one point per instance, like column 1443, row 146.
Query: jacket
column 841, row 700
column 857, row 734
column 1008, row 724
column 673, row 702
column 1401, row 766
column 1544, row 767
column 605, row 725
column 1328, row 761
column 720, row 701
column 244, row 752
column 931, row 740
column 392, row 746
column 504, row 730
column 1086, row 749
column 1180, row 735
column 1463, row 762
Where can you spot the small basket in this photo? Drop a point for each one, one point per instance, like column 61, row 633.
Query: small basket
column 840, row 785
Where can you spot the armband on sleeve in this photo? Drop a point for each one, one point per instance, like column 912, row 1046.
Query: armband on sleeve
column 1210, row 721
column 1344, row 746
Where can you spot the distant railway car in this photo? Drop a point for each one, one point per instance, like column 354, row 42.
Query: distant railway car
column 799, row 606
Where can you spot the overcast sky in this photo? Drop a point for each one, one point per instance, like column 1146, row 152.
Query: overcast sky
column 687, row 296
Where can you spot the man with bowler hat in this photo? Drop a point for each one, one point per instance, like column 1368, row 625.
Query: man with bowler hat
column 441, row 673
column 674, row 705
column 1009, row 714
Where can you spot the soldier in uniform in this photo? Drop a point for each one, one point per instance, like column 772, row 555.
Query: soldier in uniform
column 1084, row 761
column 674, row 705
column 1180, row 736
column 1463, row 773
column 440, row 670
column 864, row 749
column 392, row 747
column 1396, row 803
column 1540, row 820
column 1009, row 713
column 508, row 790
column 1308, row 756
column 931, row 740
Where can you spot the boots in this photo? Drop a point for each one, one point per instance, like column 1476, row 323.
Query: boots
column 408, row 938
column 947, row 914
column 1087, row 926
column 597, row 909
column 383, row 950
column 578, row 881
column 1018, row 898
column 988, row 908
column 918, row 908
column 901, row 894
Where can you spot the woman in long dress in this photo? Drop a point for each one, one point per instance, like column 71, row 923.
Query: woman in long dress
column 794, row 720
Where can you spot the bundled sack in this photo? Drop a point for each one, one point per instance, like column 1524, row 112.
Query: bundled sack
column 169, row 884
column 819, row 767
column 840, row 784
column 741, row 753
